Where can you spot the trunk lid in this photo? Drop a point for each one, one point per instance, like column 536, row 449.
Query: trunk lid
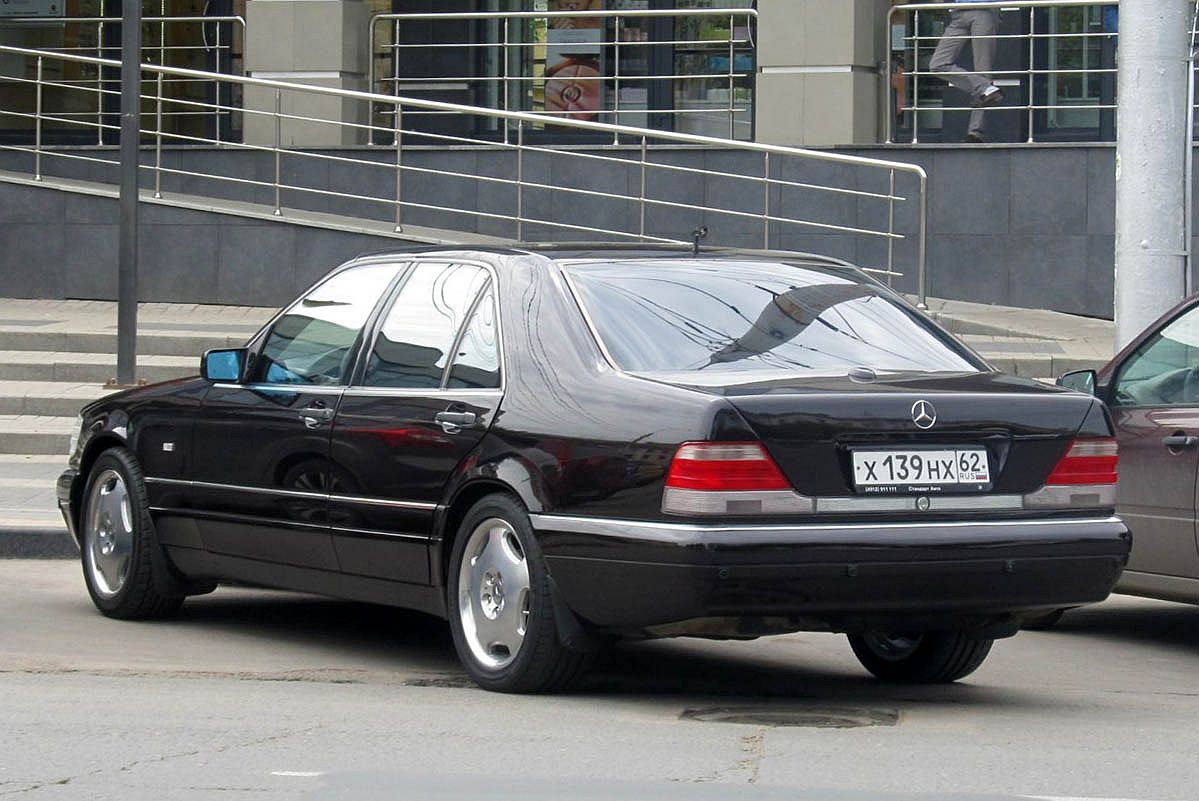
column 813, row 425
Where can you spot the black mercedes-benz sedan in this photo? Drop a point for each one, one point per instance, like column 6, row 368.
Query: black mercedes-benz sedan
column 557, row 447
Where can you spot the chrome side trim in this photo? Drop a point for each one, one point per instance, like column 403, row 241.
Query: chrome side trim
column 685, row 533
column 307, row 389
column 372, row 532
column 421, row 505
column 203, row 514
column 170, row 482
column 175, row 482
column 387, row 392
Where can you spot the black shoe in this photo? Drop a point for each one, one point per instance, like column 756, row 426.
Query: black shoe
column 992, row 96
column 973, row 139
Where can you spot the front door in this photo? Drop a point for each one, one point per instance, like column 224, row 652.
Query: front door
column 425, row 394
column 1155, row 403
column 261, row 475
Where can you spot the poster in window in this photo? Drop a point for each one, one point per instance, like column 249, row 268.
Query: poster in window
column 574, row 83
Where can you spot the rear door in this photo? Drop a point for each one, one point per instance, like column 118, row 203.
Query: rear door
column 1155, row 404
column 261, row 469
column 426, row 390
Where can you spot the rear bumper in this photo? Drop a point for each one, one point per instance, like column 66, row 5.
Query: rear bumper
column 628, row 574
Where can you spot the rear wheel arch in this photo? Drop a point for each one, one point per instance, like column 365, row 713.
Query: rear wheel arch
column 455, row 512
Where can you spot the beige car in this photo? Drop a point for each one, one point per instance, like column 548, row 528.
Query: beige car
column 1152, row 390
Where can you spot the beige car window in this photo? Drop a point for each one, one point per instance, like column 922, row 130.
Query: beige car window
column 1165, row 370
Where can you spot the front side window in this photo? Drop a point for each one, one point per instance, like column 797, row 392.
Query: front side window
column 313, row 342
column 1164, row 371
column 416, row 337
column 723, row 318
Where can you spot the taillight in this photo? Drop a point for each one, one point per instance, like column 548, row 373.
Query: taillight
column 716, row 466
column 1085, row 477
column 1089, row 461
column 728, row 478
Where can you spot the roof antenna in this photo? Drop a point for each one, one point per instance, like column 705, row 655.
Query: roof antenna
column 696, row 236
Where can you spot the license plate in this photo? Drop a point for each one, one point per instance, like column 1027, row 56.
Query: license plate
column 898, row 471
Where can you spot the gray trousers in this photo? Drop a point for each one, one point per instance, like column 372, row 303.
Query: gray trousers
column 980, row 26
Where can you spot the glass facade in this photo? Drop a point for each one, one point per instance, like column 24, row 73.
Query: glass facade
column 681, row 72
column 1056, row 67
column 80, row 105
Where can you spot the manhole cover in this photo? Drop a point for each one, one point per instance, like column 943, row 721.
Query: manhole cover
column 807, row 717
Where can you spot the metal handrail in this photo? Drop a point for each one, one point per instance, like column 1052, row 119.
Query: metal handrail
column 1032, row 6
column 506, row 44
column 773, row 183
column 161, row 49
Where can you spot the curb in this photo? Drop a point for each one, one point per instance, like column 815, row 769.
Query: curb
column 36, row 543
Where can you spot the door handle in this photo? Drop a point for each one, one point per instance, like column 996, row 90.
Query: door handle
column 453, row 422
column 312, row 416
column 1178, row 441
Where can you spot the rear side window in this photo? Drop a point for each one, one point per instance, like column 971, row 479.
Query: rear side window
column 477, row 358
column 727, row 316
column 414, row 343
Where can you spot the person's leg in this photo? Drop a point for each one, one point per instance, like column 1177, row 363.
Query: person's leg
column 984, row 26
column 945, row 57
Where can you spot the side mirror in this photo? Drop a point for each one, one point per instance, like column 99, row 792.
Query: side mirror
column 223, row 365
column 1080, row 381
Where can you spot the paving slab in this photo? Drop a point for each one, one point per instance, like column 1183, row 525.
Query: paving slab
column 35, row 434
column 30, row 524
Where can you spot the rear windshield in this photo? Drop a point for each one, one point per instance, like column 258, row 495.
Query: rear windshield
column 728, row 316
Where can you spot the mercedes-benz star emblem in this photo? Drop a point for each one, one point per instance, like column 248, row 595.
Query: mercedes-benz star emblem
column 924, row 414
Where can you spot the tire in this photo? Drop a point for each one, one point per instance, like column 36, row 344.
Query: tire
column 1044, row 622
column 931, row 657
column 500, row 606
column 118, row 542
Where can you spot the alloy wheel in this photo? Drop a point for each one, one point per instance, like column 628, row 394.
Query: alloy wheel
column 108, row 533
column 494, row 594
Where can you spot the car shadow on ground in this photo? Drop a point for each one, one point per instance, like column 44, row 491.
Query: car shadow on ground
column 420, row 644
column 381, row 633
column 686, row 668
column 1172, row 625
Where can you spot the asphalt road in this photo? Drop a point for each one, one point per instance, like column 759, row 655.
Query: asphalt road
column 262, row 695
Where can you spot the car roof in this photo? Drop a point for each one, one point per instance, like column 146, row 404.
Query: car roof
column 585, row 251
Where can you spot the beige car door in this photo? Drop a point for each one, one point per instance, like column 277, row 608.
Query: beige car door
column 1155, row 405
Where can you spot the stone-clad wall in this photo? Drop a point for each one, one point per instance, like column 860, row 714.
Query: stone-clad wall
column 1023, row 226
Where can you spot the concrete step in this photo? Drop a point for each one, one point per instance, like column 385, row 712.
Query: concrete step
column 1033, row 358
column 35, row 434
column 1041, row 366
column 51, row 398
column 94, row 368
column 186, row 343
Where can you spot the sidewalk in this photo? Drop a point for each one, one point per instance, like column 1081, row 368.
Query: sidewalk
column 56, row 355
